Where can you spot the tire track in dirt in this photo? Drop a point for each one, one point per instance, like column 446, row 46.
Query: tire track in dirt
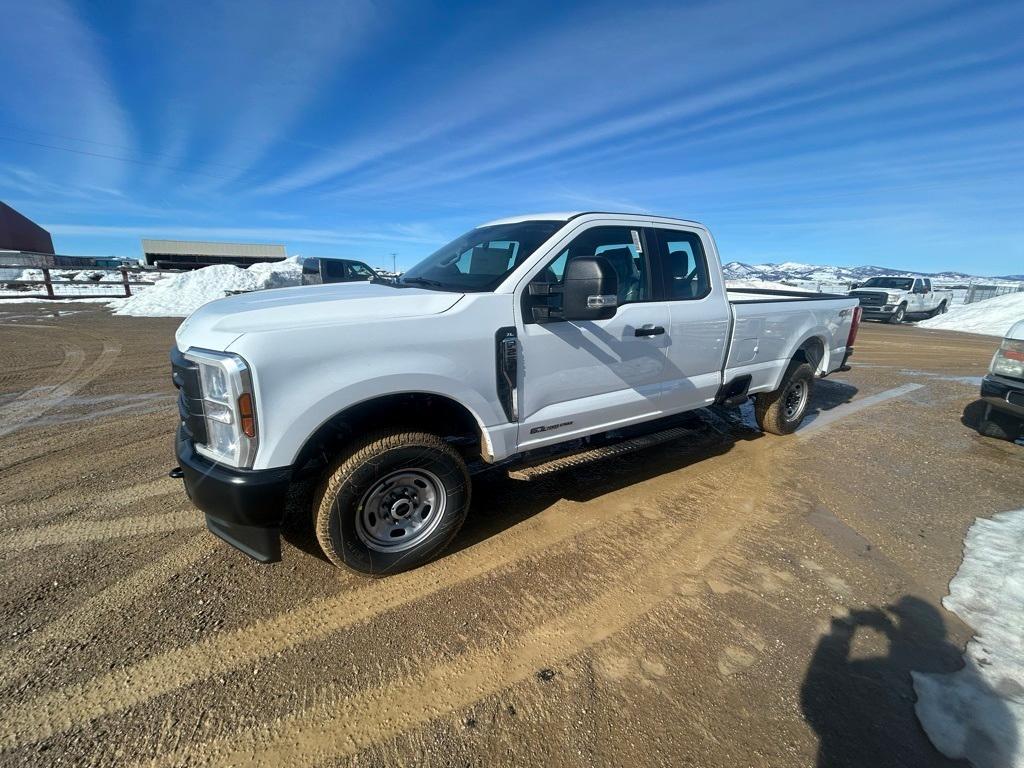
column 74, row 358
column 172, row 670
column 37, row 512
column 30, row 653
column 39, row 400
column 342, row 725
column 79, row 531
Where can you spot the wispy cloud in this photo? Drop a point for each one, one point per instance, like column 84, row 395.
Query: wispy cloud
column 249, row 73
column 341, row 236
column 55, row 77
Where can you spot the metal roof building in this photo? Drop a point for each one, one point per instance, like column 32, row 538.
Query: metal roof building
column 19, row 233
column 193, row 254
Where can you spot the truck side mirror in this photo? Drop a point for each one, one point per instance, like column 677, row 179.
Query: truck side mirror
column 591, row 289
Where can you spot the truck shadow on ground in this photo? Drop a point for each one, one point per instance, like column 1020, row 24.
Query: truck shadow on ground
column 862, row 708
column 500, row 502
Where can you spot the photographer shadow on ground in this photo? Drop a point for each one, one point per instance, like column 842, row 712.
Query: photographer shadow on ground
column 862, row 709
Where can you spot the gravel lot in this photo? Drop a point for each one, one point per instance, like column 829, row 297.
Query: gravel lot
column 734, row 599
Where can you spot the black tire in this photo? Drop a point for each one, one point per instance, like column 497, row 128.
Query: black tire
column 994, row 424
column 943, row 308
column 773, row 410
column 897, row 316
column 362, row 475
column 992, row 429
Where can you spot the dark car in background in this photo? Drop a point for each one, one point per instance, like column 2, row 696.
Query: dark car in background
column 318, row 270
column 1002, row 390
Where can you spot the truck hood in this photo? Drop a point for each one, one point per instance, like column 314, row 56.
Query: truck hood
column 217, row 324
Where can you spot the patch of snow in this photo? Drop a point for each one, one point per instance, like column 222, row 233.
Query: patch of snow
column 181, row 295
column 991, row 317
column 977, row 713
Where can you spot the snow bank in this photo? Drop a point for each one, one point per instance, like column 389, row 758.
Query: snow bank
column 978, row 712
column 992, row 317
column 182, row 294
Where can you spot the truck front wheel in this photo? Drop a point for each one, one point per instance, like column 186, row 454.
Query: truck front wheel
column 899, row 314
column 780, row 412
column 392, row 503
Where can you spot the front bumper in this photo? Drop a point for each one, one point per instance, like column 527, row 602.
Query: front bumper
column 1006, row 395
column 244, row 507
column 875, row 312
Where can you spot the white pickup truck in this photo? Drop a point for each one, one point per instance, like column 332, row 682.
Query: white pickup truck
column 893, row 298
column 521, row 338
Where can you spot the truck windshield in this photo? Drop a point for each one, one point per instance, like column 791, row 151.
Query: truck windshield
column 481, row 258
column 896, row 283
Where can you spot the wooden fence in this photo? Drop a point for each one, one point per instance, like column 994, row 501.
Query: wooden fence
column 58, row 288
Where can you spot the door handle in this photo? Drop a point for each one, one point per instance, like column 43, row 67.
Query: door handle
column 649, row 330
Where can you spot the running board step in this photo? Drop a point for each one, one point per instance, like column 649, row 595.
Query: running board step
column 596, row 454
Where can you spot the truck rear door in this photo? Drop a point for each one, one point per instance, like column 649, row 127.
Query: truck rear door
column 691, row 284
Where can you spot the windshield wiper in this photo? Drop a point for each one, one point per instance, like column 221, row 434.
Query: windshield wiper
column 421, row 281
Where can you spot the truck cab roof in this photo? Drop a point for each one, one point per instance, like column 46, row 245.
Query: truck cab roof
column 570, row 215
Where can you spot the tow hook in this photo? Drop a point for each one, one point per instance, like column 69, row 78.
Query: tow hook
column 177, row 473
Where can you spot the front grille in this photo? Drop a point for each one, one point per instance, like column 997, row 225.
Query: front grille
column 870, row 299
column 185, row 375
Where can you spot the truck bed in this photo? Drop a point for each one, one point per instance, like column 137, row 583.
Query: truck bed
column 767, row 325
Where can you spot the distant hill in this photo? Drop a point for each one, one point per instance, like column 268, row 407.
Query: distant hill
column 797, row 272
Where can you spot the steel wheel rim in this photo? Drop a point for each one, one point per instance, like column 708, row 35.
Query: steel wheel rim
column 794, row 400
column 400, row 510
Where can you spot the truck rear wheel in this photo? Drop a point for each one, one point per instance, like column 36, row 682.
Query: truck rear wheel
column 394, row 502
column 780, row 412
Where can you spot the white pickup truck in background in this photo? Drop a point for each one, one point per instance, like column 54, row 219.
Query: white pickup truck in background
column 523, row 337
column 893, row 298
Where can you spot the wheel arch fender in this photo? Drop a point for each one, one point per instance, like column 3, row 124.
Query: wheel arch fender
column 813, row 350
column 435, row 401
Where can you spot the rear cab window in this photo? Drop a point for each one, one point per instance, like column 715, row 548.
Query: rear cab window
column 681, row 265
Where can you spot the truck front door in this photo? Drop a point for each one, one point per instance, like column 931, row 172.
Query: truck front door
column 581, row 377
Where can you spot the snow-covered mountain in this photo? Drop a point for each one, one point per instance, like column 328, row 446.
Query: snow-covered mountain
column 796, row 272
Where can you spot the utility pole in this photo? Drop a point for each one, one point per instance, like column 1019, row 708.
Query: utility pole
column 394, row 263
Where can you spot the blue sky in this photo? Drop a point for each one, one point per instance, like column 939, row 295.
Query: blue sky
column 886, row 133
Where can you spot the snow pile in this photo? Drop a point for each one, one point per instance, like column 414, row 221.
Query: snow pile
column 978, row 712
column 182, row 294
column 992, row 317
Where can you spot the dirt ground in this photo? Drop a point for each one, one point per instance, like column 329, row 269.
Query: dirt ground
column 734, row 599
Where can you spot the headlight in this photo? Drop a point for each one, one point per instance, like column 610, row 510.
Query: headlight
column 892, row 298
column 228, row 407
column 1009, row 359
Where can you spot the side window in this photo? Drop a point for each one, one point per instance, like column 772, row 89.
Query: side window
column 927, row 285
column 684, row 267
column 917, row 286
column 618, row 246
column 332, row 270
